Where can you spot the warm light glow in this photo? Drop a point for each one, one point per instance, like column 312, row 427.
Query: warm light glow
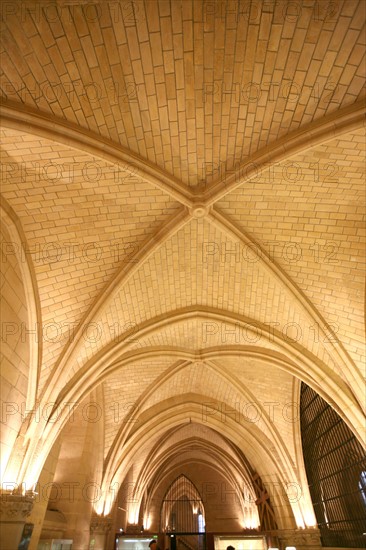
column 8, row 485
column 250, row 518
column 98, row 507
column 133, row 513
column 298, row 516
column 309, row 518
column 249, row 524
column 147, row 521
column 107, row 508
column 104, row 504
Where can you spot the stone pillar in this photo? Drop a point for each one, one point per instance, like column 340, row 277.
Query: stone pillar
column 40, row 506
column 99, row 530
column 14, row 510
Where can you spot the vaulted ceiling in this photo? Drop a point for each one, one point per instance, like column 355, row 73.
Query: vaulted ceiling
column 187, row 182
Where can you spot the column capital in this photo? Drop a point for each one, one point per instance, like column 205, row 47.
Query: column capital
column 308, row 538
column 15, row 508
column 100, row 524
column 132, row 529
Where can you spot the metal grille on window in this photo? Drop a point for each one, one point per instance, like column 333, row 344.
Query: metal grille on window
column 335, row 465
column 182, row 508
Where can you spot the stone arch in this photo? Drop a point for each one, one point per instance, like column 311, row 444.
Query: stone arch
column 21, row 341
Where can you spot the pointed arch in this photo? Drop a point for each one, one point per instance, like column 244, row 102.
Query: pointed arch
column 21, row 249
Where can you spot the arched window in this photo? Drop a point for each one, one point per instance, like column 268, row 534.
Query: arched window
column 201, row 523
column 362, row 487
column 182, row 508
column 335, row 466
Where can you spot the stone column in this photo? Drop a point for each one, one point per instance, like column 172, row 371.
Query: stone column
column 14, row 510
column 99, row 530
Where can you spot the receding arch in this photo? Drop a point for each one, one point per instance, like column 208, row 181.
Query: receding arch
column 316, row 378
column 114, row 353
column 329, row 388
column 293, row 358
column 222, row 376
column 258, row 446
column 231, row 466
